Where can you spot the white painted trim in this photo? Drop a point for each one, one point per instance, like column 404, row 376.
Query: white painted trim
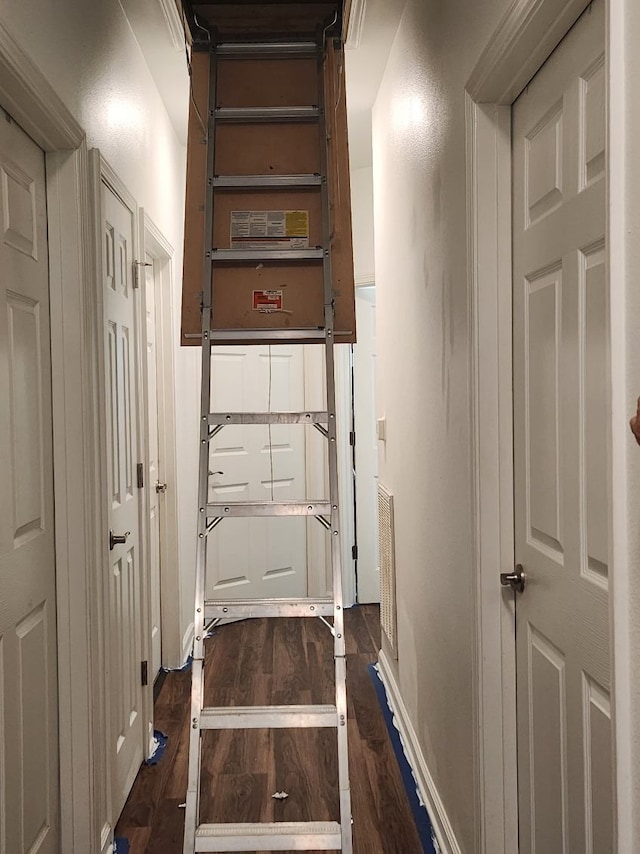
column 526, row 36
column 489, row 253
column 174, row 23
column 73, row 375
column 102, row 741
column 623, row 264
column 413, row 752
column 162, row 252
column 27, row 94
column 355, row 22
column 344, row 425
column 528, row 33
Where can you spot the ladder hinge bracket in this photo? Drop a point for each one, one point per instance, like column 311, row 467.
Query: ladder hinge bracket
column 354, row 552
column 352, row 438
column 144, row 673
column 140, row 475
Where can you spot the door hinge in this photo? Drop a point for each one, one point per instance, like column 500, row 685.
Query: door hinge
column 354, row 552
column 144, row 673
column 352, row 438
column 140, row 474
column 136, row 271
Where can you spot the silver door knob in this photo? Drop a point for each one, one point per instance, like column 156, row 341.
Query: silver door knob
column 161, row 487
column 117, row 539
column 516, row 580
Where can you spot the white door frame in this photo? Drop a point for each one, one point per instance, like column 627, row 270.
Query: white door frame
column 162, row 253
column 28, row 95
column 521, row 43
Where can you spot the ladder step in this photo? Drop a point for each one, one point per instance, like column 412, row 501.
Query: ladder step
column 269, row 418
column 267, row 254
column 251, row 49
column 268, row 508
column 268, row 717
column 248, row 608
column 267, row 114
column 283, row 335
column 250, row 181
column 270, row 836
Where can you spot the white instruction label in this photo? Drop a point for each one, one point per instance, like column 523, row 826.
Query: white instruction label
column 269, row 229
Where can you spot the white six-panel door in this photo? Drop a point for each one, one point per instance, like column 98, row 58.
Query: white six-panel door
column 561, row 402
column 258, row 557
column 125, row 566
column 29, row 789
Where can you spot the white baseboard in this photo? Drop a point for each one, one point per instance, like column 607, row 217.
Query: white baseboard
column 413, row 752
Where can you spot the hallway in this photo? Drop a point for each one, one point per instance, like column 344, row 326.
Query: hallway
column 283, row 661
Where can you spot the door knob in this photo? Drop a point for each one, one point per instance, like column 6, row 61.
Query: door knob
column 117, row 539
column 161, row 487
column 516, row 580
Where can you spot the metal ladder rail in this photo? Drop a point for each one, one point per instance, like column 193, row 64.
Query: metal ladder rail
column 336, row 557
column 192, row 807
column 265, row 837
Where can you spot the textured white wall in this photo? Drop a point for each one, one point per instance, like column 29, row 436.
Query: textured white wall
column 424, row 381
column 89, row 53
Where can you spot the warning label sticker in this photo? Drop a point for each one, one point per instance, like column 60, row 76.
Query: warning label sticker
column 267, row 301
column 269, row 229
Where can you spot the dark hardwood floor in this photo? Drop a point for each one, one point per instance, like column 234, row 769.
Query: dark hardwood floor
column 276, row 661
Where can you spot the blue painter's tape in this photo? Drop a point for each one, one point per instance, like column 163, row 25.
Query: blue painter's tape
column 420, row 814
column 121, row 846
column 160, row 745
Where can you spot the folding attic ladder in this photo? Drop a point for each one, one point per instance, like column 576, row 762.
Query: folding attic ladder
column 275, row 836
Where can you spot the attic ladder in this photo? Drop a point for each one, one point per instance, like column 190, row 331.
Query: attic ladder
column 275, row 836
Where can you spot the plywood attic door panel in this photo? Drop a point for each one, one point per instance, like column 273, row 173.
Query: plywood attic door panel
column 268, row 149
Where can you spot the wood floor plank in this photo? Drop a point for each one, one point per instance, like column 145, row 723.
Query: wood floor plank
column 276, row 661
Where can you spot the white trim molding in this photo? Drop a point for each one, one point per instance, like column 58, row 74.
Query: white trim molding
column 413, row 753
column 27, row 94
column 162, row 253
column 489, row 254
column 356, row 10
column 528, row 33
column 623, row 265
column 174, row 23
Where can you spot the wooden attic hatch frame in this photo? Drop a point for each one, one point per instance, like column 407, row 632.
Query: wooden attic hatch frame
column 286, row 294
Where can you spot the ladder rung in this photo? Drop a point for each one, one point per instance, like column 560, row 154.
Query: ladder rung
column 247, row 608
column 266, row 114
column 270, row 836
column 311, row 180
column 250, row 49
column 267, row 254
column 283, row 335
column 268, row 508
column 269, row 418
column 268, row 717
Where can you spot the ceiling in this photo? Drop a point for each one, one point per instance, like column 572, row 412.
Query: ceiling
column 157, row 27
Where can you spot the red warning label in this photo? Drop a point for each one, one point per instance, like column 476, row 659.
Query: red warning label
column 267, row 301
